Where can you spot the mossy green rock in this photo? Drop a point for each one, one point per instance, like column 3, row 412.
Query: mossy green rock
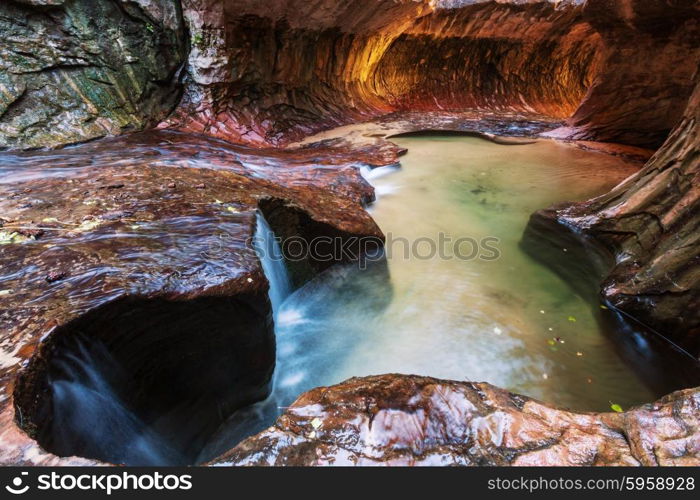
column 72, row 70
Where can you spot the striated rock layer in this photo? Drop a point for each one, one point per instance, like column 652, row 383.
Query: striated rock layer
column 409, row 420
column 122, row 249
column 651, row 224
column 148, row 256
column 73, row 70
column 267, row 73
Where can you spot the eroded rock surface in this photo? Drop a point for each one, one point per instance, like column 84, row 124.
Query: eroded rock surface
column 92, row 232
column 274, row 72
column 408, row 420
column 73, row 70
column 149, row 254
column 268, row 73
column 651, row 225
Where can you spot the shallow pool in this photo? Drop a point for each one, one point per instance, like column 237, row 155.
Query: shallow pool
column 476, row 309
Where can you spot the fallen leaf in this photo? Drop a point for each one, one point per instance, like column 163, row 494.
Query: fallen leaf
column 616, row 408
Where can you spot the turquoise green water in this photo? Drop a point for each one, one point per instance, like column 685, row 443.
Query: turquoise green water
column 508, row 321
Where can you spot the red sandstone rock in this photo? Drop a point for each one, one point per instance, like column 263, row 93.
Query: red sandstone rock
column 267, row 73
column 141, row 267
column 651, row 223
column 408, row 420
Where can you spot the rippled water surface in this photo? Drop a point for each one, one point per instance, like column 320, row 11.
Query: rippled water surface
column 509, row 321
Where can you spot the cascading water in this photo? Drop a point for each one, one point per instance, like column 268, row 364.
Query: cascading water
column 90, row 415
column 271, row 258
column 256, row 417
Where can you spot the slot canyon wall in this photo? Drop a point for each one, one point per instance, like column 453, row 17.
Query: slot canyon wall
column 651, row 222
column 265, row 74
column 73, row 70
column 268, row 73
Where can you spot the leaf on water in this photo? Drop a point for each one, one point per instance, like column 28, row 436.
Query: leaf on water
column 572, row 319
column 9, row 237
column 232, row 210
column 88, row 225
column 616, row 408
column 604, row 307
column 551, row 342
column 218, row 202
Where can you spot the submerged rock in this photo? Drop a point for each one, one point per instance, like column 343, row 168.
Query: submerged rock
column 409, row 420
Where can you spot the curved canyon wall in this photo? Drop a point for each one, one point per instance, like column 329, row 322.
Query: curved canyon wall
column 268, row 73
column 651, row 222
column 649, row 68
column 265, row 74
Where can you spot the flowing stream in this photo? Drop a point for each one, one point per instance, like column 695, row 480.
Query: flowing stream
column 499, row 316
column 508, row 320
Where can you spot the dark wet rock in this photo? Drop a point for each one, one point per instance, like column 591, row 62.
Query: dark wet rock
column 80, row 69
column 54, row 276
column 624, row 71
column 650, row 225
column 165, row 279
column 647, row 70
column 409, row 420
column 146, row 253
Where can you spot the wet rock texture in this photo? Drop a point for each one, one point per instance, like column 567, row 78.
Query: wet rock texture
column 91, row 230
column 72, row 70
column 269, row 73
column 651, row 224
column 150, row 255
column 408, row 420
column 648, row 70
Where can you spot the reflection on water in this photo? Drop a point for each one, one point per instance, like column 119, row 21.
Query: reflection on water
column 511, row 321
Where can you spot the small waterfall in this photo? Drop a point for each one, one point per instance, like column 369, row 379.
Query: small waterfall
column 272, row 259
column 91, row 419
